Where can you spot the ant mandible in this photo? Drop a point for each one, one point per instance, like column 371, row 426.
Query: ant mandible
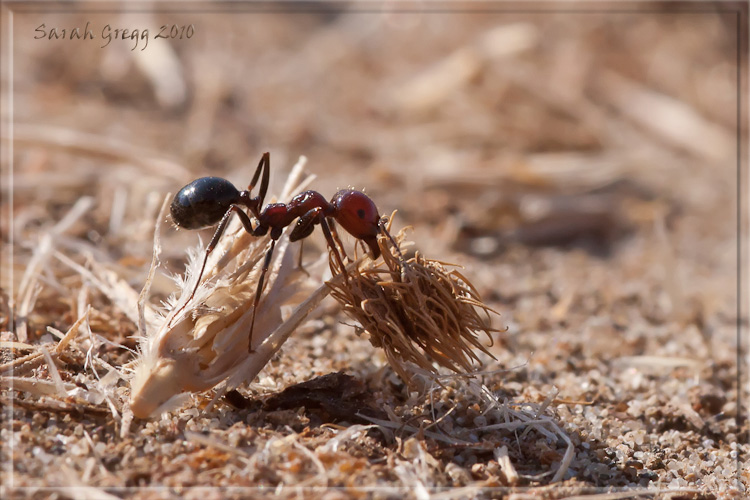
column 212, row 200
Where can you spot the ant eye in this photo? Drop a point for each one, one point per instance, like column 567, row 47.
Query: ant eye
column 361, row 213
column 203, row 202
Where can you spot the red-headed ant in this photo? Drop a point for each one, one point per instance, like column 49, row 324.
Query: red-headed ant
column 212, row 200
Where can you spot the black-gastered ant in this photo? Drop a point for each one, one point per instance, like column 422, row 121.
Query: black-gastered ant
column 212, row 200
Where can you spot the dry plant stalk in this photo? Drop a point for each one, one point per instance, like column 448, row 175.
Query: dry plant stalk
column 203, row 342
column 416, row 310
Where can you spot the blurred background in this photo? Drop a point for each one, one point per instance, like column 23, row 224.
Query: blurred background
column 580, row 162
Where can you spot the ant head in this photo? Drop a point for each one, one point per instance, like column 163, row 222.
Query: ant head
column 203, row 202
column 357, row 213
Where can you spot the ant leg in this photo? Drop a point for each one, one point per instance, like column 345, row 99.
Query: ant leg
column 384, row 230
column 264, row 166
column 401, row 260
column 335, row 234
column 217, row 235
column 305, row 226
column 256, row 204
column 332, row 245
column 299, row 259
column 258, row 291
column 264, row 180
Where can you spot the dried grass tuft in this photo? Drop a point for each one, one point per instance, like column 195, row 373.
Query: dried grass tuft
column 201, row 342
column 417, row 310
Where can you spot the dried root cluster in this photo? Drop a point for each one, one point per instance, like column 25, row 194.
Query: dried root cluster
column 417, row 310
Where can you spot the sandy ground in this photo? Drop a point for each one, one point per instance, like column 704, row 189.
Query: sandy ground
column 580, row 164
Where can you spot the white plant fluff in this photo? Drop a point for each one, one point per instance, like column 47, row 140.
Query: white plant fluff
column 202, row 342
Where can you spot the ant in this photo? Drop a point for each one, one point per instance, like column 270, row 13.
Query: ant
column 209, row 201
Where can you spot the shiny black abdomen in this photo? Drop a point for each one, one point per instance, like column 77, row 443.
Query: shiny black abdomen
column 203, row 202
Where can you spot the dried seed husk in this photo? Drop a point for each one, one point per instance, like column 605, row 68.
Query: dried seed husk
column 417, row 310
